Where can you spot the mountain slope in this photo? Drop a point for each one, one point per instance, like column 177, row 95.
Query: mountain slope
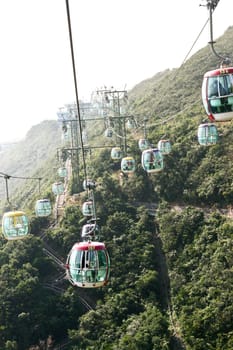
column 32, row 157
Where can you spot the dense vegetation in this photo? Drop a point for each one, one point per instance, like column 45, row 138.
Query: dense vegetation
column 171, row 272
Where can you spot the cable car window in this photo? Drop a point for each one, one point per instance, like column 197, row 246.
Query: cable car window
column 216, row 87
column 102, row 259
column 102, row 266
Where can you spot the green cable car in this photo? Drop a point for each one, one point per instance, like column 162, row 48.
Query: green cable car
column 130, row 124
column 89, row 184
column 66, row 135
column 128, row 165
column 143, row 144
column 88, row 208
column 88, row 265
column 58, row 188
column 207, row 134
column 15, row 225
column 62, row 172
column 164, row 146
column 108, row 132
column 43, row 208
column 116, row 153
column 152, row 160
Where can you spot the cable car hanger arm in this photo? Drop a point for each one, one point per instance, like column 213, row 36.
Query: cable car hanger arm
column 211, row 5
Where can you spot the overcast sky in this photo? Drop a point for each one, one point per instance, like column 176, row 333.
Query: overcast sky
column 117, row 43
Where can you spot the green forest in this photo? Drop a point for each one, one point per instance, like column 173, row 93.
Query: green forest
column 169, row 235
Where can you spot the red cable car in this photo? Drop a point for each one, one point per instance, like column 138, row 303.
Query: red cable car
column 217, row 94
column 88, row 265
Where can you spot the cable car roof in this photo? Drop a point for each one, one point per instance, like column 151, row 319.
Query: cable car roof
column 89, row 246
column 14, row 213
column 219, row 71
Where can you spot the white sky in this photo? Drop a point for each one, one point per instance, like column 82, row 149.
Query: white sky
column 117, row 43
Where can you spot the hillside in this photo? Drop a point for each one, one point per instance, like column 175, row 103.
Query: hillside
column 171, row 267
column 34, row 156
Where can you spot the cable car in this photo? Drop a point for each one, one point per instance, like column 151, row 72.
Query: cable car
column 130, row 124
column 217, row 94
column 58, row 188
column 43, row 207
column 62, row 172
column 15, row 225
column 84, row 136
column 207, row 134
column 128, row 165
column 88, row 265
column 152, row 160
column 108, row 132
column 143, row 144
column 89, row 230
column 116, row 153
column 66, row 134
column 89, row 184
column 88, row 208
column 164, row 146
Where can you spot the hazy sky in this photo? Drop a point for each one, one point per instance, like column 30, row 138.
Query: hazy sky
column 117, row 43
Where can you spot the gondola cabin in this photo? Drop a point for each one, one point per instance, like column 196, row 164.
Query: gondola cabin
column 116, row 153
column 88, row 265
column 89, row 184
column 144, row 144
column 88, row 208
column 84, row 137
column 130, row 124
column 15, row 225
column 152, row 160
column 43, row 208
column 108, row 132
column 58, row 188
column 128, row 165
column 217, row 94
column 66, row 135
column 62, row 172
column 207, row 134
column 164, row 146
column 88, row 230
